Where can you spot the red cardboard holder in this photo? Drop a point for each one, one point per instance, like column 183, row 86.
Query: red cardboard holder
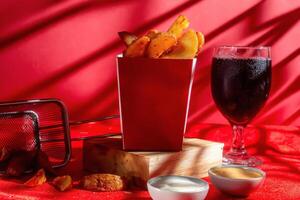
column 154, row 96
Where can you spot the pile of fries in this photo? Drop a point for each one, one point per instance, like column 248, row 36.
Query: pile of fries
column 176, row 43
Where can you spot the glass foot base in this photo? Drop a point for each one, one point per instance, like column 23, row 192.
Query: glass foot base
column 245, row 160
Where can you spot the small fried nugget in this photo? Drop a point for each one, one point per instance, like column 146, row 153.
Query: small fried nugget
column 137, row 48
column 160, row 44
column 178, row 26
column 103, row 182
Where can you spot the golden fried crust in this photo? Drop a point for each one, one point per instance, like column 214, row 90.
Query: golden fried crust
column 137, row 48
column 153, row 33
column 38, row 179
column 187, row 46
column 201, row 40
column 178, row 26
column 160, row 44
column 63, row 183
column 103, row 182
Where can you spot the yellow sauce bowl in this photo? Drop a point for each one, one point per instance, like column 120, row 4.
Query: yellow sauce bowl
column 236, row 180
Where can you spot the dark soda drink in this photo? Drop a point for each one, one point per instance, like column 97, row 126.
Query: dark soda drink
column 240, row 86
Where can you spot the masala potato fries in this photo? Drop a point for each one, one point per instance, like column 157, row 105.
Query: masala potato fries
column 137, row 48
column 186, row 47
column 153, row 33
column 176, row 43
column 178, row 26
column 201, row 40
column 160, row 44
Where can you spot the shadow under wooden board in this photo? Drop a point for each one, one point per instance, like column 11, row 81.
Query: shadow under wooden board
column 107, row 156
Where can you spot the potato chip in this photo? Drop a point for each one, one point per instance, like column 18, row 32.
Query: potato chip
column 160, row 44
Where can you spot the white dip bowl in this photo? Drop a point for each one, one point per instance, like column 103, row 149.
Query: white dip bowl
column 177, row 188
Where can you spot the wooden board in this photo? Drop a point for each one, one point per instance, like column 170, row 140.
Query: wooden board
column 106, row 156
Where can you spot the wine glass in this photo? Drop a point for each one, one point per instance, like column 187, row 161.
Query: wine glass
column 240, row 86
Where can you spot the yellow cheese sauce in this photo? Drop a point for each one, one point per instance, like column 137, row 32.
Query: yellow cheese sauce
column 236, row 173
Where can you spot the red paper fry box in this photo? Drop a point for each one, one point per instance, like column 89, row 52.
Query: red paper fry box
column 154, row 96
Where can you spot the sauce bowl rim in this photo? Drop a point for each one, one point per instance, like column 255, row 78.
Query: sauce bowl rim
column 261, row 172
column 202, row 188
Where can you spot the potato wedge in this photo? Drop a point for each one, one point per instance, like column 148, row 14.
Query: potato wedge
column 186, row 47
column 153, row 33
column 160, row 44
column 201, row 40
column 127, row 38
column 137, row 48
column 178, row 26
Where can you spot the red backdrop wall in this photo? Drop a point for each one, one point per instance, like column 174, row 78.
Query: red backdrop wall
column 66, row 49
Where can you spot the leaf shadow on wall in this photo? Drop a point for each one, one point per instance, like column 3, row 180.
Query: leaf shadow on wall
column 279, row 149
column 276, row 145
column 81, row 63
column 279, row 26
column 53, row 18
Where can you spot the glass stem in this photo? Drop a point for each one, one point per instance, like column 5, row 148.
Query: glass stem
column 238, row 144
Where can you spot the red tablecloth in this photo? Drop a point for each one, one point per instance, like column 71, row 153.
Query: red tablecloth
column 278, row 146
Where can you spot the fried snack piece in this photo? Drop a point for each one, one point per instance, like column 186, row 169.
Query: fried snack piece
column 20, row 162
column 178, row 26
column 153, row 33
column 137, row 48
column 127, row 37
column 38, row 179
column 103, row 182
column 161, row 44
column 63, row 183
column 5, row 153
column 201, row 40
column 186, row 47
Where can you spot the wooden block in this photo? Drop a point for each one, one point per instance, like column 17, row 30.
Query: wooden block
column 106, row 156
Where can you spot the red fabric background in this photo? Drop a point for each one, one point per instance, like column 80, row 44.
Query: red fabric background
column 277, row 146
column 66, row 49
